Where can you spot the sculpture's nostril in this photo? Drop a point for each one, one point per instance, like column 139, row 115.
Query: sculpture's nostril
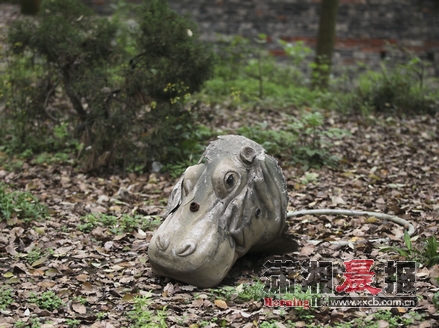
column 162, row 242
column 186, row 248
column 194, row 207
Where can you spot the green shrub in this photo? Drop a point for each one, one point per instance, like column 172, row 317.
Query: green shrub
column 192, row 149
column 29, row 7
column 23, row 115
column 170, row 65
column 127, row 81
column 170, row 61
column 249, row 75
column 72, row 60
column 402, row 89
column 303, row 140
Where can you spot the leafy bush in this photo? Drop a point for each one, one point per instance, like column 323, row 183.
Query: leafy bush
column 192, row 149
column 129, row 102
column 402, row 89
column 23, row 115
column 170, row 63
column 72, row 60
column 169, row 66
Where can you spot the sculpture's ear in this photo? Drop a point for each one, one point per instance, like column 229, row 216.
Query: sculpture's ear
column 175, row 198
column 270, row 188
column 247, row 155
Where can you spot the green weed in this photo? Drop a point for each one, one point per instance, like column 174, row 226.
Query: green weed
column 368, row 322
column 32, row 323
column 6, row 298
column 142, row 317
column 241, row 293
column 124, row 223
column 428, row 256
column 247, row 292
column 20, row 205
column 46, row 301
column 91, row 221
column 304, row 314
column 268, row 324
column 101, row 315
column 248, row 76
column 216, row 322
column 309, row 177
column 73, row 323
column 20, row 324
column 436, row 300
column 34, row 255
column 35, row 323
column 394, row 321
column 80, row 299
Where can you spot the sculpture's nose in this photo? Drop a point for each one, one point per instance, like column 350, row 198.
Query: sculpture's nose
column 185, row 248
column 162, row 242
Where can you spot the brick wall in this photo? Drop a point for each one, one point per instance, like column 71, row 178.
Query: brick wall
column 365, row 28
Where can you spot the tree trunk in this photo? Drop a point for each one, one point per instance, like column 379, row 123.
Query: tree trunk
column 76, row 102
column 325, row 44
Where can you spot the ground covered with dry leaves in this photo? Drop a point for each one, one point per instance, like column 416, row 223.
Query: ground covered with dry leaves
column 389, row 165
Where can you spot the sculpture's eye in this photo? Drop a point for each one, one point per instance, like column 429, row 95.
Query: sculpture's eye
column 230, row 180
column 225, row 182
column 258, row 212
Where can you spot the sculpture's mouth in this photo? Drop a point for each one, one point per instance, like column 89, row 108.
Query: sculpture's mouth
column 203, row 262
column 204, row 277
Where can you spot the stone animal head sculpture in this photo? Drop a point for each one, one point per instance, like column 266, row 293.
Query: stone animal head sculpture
column 234, row 201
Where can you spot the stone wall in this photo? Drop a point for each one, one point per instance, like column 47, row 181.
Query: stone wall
column 365, row 28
